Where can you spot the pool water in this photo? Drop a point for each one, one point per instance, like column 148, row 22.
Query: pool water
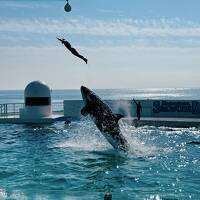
column 76, row 162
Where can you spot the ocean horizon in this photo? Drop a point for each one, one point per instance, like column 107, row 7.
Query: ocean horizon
column 17, row 96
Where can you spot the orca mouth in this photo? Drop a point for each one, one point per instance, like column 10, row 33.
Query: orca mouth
column 84, row 91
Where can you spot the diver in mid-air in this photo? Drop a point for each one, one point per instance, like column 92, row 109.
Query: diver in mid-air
column 72, row 50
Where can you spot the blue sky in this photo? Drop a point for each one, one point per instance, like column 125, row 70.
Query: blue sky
column 129, row 43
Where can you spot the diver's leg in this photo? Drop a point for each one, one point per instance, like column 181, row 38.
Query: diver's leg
column 78, row 55
column 83, row 58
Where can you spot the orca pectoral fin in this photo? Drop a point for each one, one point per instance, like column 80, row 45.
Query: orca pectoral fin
column 85, row 111
column 118, row 117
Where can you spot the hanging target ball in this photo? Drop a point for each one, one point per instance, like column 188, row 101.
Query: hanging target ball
column 67, row 7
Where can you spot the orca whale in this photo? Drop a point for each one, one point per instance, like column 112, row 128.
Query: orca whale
column 105, row 120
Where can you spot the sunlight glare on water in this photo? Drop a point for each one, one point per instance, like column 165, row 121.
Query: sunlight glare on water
column 62, row 161
column 76, row 162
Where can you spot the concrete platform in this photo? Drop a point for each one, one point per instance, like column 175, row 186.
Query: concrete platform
column 167, row 122
column 14, row 119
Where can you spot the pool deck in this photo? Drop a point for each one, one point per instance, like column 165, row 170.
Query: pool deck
column 14, row 119
column 164, row 121
column 144, row 121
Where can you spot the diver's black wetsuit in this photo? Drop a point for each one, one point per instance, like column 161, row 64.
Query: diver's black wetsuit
column 71, row 49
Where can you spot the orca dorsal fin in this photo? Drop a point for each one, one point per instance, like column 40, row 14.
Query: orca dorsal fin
column 118, row 117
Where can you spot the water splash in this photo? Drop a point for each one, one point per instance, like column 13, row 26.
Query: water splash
column 84, row 136
column 123, row 107
column 3, row 194
column 139, row 144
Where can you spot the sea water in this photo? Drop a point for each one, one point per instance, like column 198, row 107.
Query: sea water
column 75, row 162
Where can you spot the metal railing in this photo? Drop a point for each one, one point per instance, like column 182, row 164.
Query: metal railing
column 13, row 109
column 57, row 107
column 7, row 109
column 3, row 109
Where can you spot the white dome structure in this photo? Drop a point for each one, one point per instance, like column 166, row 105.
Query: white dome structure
column 37, row 97
column 37, row 89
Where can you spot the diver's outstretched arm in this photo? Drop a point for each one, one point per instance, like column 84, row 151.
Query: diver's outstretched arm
column 61, row 40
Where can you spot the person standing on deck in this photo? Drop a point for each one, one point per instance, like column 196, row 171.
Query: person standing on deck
column 138, row 109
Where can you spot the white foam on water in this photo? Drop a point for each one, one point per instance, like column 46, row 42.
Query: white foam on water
column 3, row 194
column 41, row 197
column 138, row 147
column 18, row 195
column 153, row 197
column 82, row 143
column 84, row 136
